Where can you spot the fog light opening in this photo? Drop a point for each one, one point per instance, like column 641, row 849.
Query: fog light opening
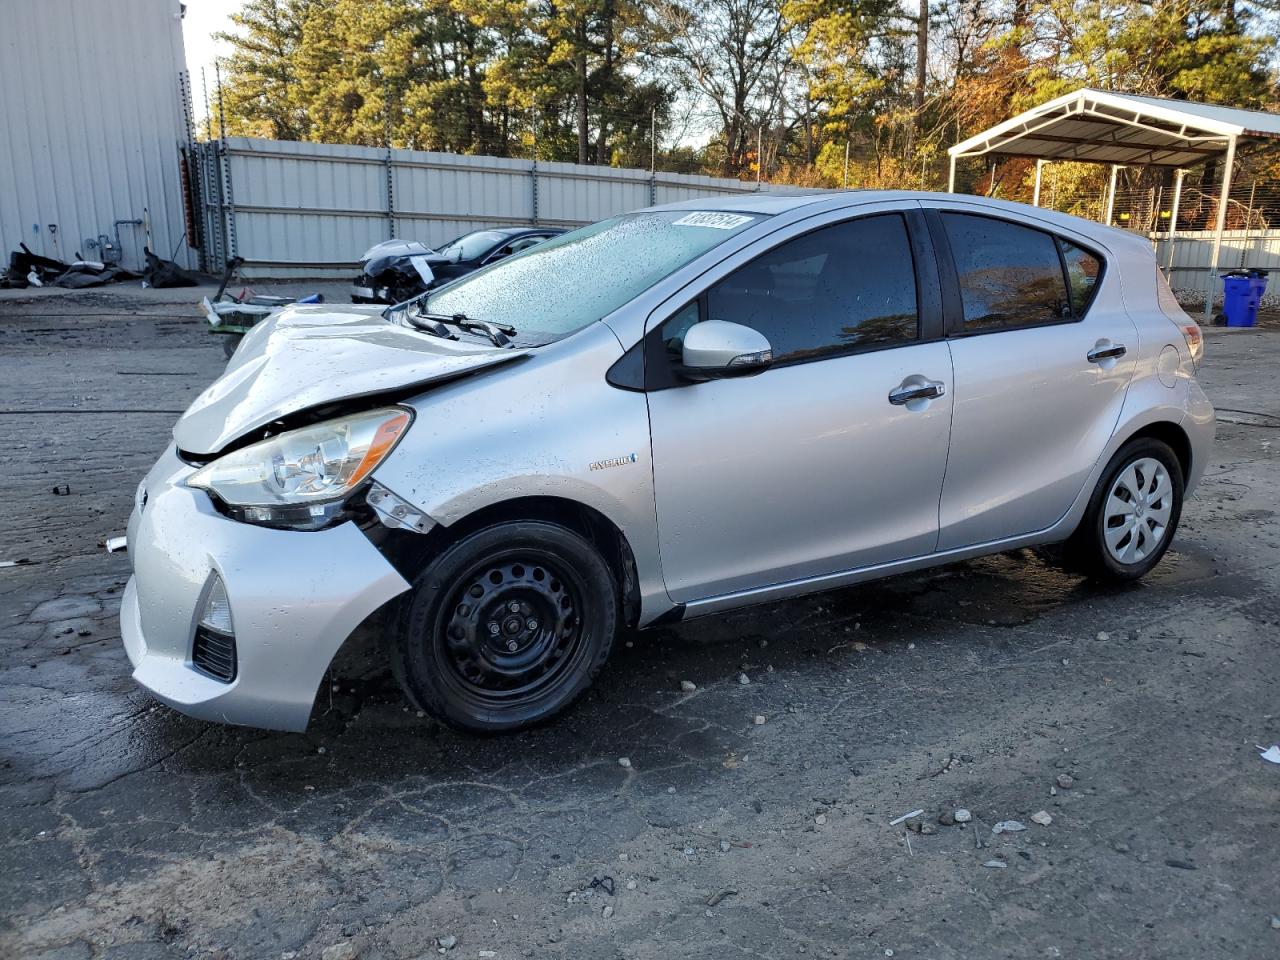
column 213, row 649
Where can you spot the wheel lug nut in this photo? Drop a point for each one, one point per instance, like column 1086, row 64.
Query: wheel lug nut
column 531, row 623
column 513, row 607
column 493, row 628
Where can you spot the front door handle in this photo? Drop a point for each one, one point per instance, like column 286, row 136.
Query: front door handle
column 916, row 388
column 1106, row 351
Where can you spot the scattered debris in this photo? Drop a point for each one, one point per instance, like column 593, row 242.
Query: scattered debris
column 1042, row 817
column 688, row 686
column 905, row 816
column 1104, row 636
column 715, row 898
column 914, row 824
column 1180, row 864
column 725, row 845
column 1008, row 826
column 995, row 864
column 758, row 720
column 963, row 816
column 61, row 490
column 16, row 563
column 1271, row 754
column 606, row 912
column 346, row 950
column 447, row 942
column 1275, row 923
column 743, row 679
column 163, row 274
column 604, row 883
column 631, row 884
column 821, row 818
column 1065, row 781
column 115, row 544
column 624, row 762
column 947, row 818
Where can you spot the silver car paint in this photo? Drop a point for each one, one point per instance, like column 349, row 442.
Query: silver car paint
column 305, row 356
column 295, row 598
column 548, row 424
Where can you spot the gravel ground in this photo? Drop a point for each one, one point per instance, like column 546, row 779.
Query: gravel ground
column 751, row 819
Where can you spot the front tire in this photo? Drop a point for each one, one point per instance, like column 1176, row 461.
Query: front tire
column 1132, row 515
column 506, row 628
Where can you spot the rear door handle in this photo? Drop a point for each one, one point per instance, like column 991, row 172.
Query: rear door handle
column 1112, row 351
column 916, row 388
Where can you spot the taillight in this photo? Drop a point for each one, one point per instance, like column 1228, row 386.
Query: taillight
column 1192, row 333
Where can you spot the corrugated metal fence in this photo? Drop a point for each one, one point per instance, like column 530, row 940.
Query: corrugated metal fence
column 1186, row 258
column 311, row 209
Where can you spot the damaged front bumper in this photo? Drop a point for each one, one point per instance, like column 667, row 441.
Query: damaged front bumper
column 294, row 597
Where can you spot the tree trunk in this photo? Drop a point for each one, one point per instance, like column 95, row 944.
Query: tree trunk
column 582, row 92
column 606, row 86
column 922, row 62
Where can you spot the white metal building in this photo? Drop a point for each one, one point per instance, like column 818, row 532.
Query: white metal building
column 92, row 122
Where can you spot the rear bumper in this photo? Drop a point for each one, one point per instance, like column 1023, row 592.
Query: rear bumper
column 295, row 598
column 1201, row 424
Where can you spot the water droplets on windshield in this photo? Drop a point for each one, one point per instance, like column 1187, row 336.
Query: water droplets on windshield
column 575, row 279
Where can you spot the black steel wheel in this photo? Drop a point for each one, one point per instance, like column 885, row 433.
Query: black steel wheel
column 506, row 628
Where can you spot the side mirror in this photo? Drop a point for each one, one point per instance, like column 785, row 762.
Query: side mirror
column 716, row 349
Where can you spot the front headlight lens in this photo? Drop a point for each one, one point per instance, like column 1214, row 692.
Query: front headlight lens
column 307, row 468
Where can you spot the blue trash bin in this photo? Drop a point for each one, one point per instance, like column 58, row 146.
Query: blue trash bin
column 1241, row 293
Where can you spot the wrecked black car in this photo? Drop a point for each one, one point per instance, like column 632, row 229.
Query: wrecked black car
column 399, row 270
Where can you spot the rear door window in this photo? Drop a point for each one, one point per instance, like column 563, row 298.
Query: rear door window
column 1010, row 276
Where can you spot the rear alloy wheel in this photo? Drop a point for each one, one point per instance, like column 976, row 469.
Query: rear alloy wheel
column 1132, row 515
column 507, row 628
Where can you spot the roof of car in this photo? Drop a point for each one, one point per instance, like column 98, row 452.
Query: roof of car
column 778, row 203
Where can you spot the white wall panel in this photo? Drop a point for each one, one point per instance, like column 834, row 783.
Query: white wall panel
column 91, row 124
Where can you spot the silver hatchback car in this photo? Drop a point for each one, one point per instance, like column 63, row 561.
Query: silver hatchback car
column 670, row 413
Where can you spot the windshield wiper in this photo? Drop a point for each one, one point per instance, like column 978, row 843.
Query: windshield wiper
column 499, row 334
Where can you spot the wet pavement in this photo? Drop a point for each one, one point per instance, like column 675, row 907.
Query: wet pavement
column 130, row 831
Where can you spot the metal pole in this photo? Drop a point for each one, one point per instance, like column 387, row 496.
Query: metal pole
column 1219, row 226
column 653, row 157
column 1248, row 223
column 533, row 170
column 951, row 177
column 846, row 164
column 1035, row 196
column 1173, row 219
column 759, row 153
column 1111, row 194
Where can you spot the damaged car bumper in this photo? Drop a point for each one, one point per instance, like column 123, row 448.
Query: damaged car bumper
column 283, row 602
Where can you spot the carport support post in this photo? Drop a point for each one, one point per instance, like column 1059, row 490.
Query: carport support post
column 1035, row 196
column 1111, row 194
column 951, row 177
column 1219, row 225
column 1173, row 220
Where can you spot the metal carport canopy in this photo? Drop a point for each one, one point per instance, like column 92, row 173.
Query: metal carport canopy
column 1123, row 130
column 1094, row 126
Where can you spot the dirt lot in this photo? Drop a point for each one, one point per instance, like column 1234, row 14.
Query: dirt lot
column 130, row 831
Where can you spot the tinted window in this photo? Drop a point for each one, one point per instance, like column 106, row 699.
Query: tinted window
column 1010, row 276
column 471, row 245
column 1084, row 270
column 845, row 286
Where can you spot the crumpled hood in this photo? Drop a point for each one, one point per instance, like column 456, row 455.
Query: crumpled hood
column 305, row 356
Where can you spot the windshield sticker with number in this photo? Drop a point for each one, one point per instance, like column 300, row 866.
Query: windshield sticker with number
column 716, row 221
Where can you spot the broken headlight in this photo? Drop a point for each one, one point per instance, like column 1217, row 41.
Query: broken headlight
column 301, row 479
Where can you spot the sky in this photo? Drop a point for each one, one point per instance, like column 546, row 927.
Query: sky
column 203, row 19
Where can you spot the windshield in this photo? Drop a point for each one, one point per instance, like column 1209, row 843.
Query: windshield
column 471, row 245
column 569, row 281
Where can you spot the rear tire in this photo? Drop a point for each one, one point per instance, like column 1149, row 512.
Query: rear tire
column 1132, row 515
column 506, row 628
